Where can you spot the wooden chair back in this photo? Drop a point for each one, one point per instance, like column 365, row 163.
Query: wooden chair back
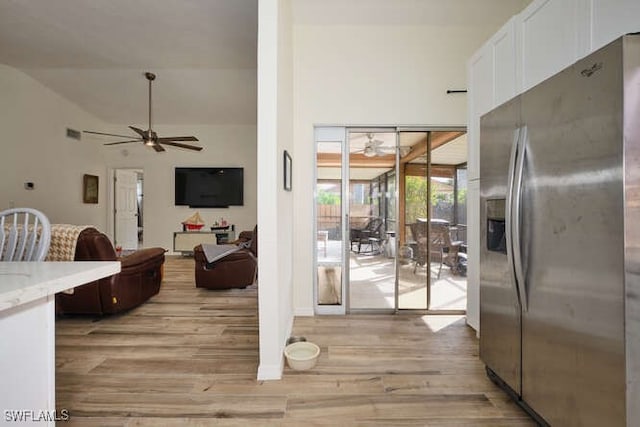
column 25, row 235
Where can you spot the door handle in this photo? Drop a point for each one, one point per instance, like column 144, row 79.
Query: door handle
column 509, row 210
column 516, row 219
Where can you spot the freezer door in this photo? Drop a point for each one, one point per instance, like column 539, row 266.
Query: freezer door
column 632, row 224
column 499, row 306
column 572, row 245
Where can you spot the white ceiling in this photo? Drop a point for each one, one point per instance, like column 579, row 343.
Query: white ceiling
column 94, row 53
column 204, row 52
column 405, row 12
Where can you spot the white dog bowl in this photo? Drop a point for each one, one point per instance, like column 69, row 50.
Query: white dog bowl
column 302, row 355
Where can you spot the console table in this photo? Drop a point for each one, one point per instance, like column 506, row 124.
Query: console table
column 27, row 329
column 185, row 241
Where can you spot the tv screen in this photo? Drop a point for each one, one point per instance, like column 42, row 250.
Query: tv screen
column 209, row 187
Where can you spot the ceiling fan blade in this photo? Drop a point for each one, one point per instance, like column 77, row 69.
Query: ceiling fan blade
column 138, row 131
column 123, row 142
column 106, row 134
column 177, row 144
column 178, row 138
column 159, row 148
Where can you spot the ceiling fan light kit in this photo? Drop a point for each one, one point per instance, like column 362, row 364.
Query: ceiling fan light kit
column 149, row 137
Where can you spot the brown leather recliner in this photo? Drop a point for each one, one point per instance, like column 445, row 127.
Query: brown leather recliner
column 236, row 270
column 138, row 280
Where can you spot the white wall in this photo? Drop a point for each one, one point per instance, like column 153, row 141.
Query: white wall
column 275, row 213
column 224, row 146
column 369, row 75
column 34, row 148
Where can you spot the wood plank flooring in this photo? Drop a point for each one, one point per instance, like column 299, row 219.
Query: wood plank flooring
column 189, row 357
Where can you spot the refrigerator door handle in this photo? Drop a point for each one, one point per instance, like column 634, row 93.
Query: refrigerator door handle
column 509, row 208
column 516, row 217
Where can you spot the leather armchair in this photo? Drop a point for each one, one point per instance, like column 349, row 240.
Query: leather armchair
column 138, row 280
column 236, row 270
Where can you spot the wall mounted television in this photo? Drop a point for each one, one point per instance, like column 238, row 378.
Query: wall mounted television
column 209, row 187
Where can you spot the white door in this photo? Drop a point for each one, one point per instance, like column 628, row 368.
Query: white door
column 126, row 209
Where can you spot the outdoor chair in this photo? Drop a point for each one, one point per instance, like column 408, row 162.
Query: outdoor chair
column 438, row 244
column 367, row 235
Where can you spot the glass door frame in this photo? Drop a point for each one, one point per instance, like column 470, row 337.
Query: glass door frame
column 429, row 174
column 346, row 167
column 331, row 134
column 341, row 134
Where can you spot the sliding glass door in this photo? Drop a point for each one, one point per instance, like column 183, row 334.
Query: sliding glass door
column 390, row 220
column 329, row 230
column 372, row 201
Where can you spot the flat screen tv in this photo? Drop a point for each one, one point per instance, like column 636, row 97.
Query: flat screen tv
column 209, row 187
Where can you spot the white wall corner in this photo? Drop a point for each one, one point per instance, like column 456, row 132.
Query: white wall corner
column 267, row 372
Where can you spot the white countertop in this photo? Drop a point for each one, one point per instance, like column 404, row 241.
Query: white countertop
column 23, row 282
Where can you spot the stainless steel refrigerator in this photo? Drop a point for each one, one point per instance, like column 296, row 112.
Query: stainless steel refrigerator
column 560, row 242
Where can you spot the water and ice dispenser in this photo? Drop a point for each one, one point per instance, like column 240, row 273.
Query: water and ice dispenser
column 496, row 238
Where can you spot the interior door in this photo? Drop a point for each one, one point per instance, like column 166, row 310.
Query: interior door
column 126, row 208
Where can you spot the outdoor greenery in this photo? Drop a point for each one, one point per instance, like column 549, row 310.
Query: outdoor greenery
column 416, row 199
column 442, row 201
column 328, row 197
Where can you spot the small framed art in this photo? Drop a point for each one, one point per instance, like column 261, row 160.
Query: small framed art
column 89, row 189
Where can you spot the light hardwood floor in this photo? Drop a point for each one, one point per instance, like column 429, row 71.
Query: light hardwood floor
column 188, row 357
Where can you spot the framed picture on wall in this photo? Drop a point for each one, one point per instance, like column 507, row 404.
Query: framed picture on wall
column 89, row 189
column 287, row 171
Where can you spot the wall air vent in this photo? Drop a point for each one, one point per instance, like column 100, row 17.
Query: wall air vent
column 72, row 133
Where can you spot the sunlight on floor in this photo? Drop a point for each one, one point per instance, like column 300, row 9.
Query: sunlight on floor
column 372, row 283
column 437, row 323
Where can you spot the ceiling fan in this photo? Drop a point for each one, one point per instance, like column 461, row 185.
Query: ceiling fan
column 374, row 147
column 149, row 137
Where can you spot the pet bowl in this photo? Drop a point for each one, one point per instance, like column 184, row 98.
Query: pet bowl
column 302, row 355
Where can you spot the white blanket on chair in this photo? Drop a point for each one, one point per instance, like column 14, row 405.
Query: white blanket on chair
column 215, row 252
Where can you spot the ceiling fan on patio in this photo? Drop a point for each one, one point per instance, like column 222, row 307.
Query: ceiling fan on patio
column 375, row 147
column 149, row 137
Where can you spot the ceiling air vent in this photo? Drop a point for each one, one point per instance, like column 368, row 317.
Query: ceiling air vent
column 72, row 133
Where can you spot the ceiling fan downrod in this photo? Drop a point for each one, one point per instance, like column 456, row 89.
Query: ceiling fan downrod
column 151, row 77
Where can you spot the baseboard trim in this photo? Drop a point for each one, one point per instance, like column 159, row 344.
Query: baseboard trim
column 304, row 312
column 270, row 372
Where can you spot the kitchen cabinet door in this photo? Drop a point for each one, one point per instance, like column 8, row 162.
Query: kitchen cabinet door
column 492, row 81
column 554, row 34
column 480, row 76
column 612, row 19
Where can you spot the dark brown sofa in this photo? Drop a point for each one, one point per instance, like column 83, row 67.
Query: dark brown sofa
column 138, row 280
column 236, row 270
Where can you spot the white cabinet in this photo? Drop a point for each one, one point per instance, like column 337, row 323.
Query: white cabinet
column 492, row 81
column 612, row 19
column 480, row 100
column 546, row 37
column 553, row 35
column 505, row 62
column 473, row 254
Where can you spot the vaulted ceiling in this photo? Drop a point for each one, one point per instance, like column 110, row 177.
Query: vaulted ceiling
column 203, row 51
column 95, row 52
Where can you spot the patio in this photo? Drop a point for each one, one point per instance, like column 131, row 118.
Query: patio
column 372, row 282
